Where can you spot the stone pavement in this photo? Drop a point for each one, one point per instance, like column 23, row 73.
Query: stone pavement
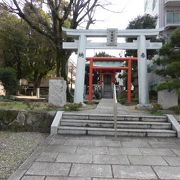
column 105, row 106
column 102, row 158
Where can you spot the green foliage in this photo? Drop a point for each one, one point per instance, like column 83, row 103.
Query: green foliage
column 24, row 49
column 169, row 63
column 8, row 78
column 102, row 54
column 122, row 97
column 72, row 107
column 156, row 109
column 143, row 22
column 175, row 109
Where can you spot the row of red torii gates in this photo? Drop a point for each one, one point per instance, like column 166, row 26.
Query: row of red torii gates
column 112, row 70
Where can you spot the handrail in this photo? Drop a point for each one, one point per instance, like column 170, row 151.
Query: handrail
column 115, row 110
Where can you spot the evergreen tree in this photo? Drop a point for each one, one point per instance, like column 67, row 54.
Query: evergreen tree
column 169, row 63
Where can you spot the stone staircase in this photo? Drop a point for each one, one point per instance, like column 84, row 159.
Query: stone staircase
column 127, row 125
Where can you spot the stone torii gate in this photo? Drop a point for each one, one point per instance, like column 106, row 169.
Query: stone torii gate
column 141, row 45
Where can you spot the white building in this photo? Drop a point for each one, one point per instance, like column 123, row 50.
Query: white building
column 168, row 18
column 167, row 11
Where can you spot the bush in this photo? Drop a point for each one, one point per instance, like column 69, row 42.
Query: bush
column 9, row 80
column 156, row 109
column 72, row 107
column 175, row 109
column 122, row 97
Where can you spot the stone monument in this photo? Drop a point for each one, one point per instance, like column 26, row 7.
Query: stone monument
column 167, row 98
column 57, row 92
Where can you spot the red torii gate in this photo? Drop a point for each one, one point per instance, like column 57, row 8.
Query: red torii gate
column 128, row 68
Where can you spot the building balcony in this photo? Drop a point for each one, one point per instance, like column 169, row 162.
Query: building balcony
column 172, row 3
column 172, row 25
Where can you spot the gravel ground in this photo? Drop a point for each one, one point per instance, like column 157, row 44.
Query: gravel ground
column 15, row 148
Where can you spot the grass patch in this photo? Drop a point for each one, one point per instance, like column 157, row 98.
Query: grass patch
column 23, row 105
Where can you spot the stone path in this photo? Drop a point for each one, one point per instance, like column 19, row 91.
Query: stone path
column 105, row 106
column 102, row 158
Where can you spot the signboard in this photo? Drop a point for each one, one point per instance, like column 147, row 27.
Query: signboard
column 112, row 34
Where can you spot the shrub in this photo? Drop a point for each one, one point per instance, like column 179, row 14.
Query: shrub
column 9, row 80
column 72, row 107
column 122, row 97
column 156, row 109
column 175, row 109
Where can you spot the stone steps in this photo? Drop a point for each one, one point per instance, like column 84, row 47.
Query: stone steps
column 120, row 132
column 127, row 125
column 120, row 124
column 109, row 117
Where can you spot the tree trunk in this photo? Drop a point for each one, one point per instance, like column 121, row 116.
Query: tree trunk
column 37, row 83
column 58, row 62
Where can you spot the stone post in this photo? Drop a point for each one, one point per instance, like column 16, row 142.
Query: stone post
column 80, row 72
column 142, row 71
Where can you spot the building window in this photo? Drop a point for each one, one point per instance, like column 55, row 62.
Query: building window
column 173, row 17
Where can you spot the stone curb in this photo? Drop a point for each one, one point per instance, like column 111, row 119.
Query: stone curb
column 175, row 124
column 56, row 122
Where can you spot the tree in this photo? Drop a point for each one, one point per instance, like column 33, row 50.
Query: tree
column 25, row 50
column 169, row 63
column 12, row 41
column 141, row 22
column 60, row 13
column 102, row 54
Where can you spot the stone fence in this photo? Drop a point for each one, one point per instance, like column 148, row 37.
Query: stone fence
column 13, row 120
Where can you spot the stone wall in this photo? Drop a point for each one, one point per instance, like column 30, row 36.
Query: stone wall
column 14, row 120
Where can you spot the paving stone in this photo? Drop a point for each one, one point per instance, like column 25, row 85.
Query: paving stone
column 147, row 160
column 91, row 170
column 176, row 151
column 165, row 145
column 136, row 172
column 135, row 144
column 57, row 141
column 124, row 151
column 74, row 158
column 173, row 161
column 81, row 142
column 60, row 149
column 49, row 157
column 33, row 178
column 66, row 178
column 107, row 143
column 110, row 159
column 111, row 179
column 92, row 150
column 49, row 169
column 157, row 151
column 167, row 172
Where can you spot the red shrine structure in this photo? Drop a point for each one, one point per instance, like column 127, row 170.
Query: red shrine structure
column 107, row 67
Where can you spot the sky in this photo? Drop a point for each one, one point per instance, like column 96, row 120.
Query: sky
column 128, row 10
